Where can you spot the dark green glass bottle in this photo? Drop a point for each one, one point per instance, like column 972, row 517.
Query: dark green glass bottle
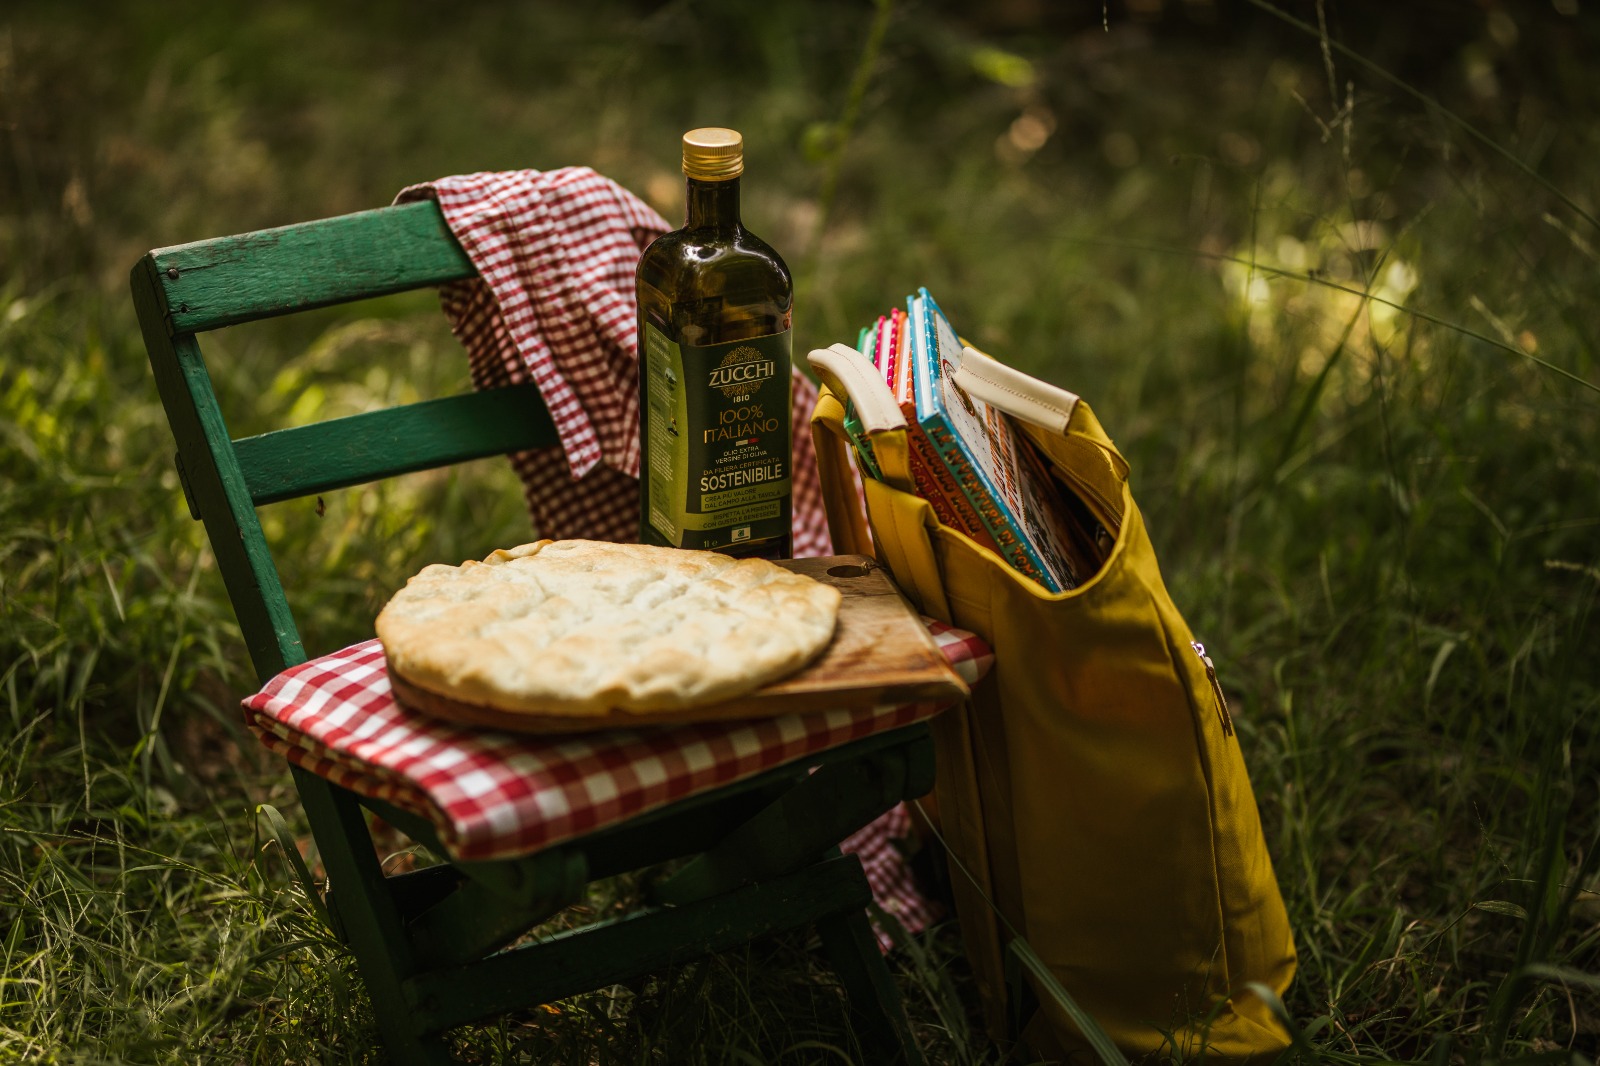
column 714, row 371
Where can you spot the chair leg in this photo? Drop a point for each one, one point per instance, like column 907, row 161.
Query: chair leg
column 852, row 949
column 369, row 920
column 787, row 834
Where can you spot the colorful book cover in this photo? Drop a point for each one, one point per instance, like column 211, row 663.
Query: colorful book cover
column 883, row 347
column 937, row 485
column 902, row 386
column 933, row 479
column 875, row 340
column 892, row 366
column 852, row 424
column 980, row 448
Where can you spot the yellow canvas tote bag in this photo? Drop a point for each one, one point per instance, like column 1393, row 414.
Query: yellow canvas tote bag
column 1092, row 788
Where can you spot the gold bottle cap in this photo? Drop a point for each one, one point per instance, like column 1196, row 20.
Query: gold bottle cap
column 713, row 154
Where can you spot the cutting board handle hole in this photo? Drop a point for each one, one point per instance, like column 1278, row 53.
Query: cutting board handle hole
column 848, row 570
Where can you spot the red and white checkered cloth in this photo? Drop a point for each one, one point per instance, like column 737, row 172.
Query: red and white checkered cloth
column 492, row 794
column 881, row 846
column 557, row 251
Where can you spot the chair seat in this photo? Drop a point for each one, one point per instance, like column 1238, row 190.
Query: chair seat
column 496, row 795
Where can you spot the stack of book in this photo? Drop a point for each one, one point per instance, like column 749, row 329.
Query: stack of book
column 982, row 476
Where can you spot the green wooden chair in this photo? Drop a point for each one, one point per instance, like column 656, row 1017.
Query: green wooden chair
column 431, row 944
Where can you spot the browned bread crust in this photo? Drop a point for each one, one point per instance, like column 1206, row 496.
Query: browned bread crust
column 584, row 627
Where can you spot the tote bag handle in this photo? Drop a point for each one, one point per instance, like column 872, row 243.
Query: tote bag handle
column 1060, row 422
column 1033, row 401
column 905, row 547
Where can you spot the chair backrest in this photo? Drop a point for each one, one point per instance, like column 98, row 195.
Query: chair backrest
column 182, row 291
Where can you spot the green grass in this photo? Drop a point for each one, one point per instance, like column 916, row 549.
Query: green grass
column 1347, row 349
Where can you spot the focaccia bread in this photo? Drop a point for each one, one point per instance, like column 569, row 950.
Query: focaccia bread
column 585, row 627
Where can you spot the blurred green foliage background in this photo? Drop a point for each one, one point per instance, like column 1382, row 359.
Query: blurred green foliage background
column 1328, row 285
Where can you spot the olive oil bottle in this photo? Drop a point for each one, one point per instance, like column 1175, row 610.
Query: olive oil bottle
column 714, row 371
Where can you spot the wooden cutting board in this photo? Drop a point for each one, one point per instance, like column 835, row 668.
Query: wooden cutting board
column 880, row 653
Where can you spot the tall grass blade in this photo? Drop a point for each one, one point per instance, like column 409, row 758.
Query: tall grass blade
column 1329, row 283
column 1431, row 104
column 1313, row 396
column 283, row 836
column 1047, row 984
column 1564, row 975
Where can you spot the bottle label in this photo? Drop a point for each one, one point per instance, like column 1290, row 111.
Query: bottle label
column 717, row 439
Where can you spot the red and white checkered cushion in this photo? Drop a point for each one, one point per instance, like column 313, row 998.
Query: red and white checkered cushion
column 491, row 794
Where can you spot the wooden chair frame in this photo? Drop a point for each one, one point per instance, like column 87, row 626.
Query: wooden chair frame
column 431, row 945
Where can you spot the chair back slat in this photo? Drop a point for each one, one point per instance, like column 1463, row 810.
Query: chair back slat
column 368, row 447
column 185, row 289
column 229, row 280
